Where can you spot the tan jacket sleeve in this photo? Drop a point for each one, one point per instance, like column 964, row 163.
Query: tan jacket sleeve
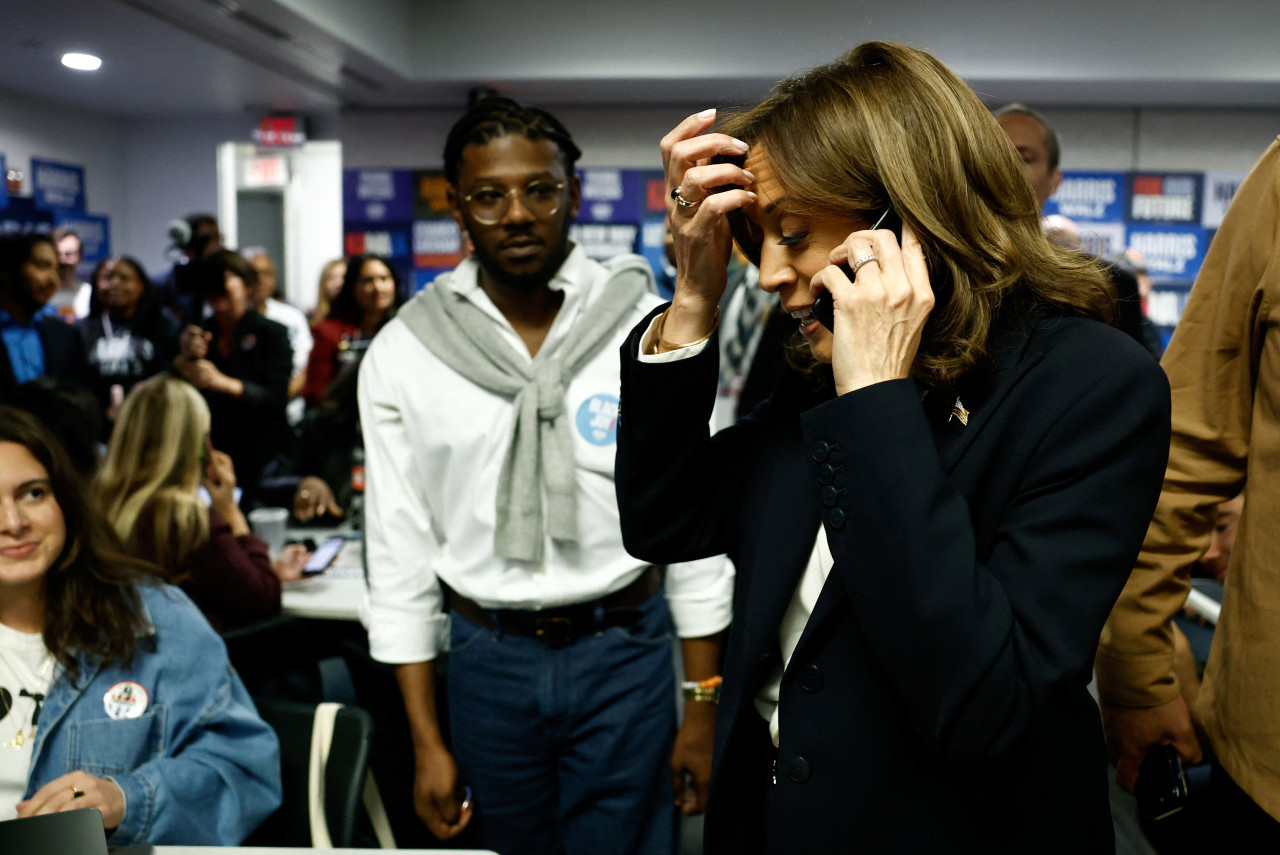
column 1213, row 363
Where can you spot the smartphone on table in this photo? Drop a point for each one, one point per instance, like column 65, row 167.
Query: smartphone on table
column 324, row 556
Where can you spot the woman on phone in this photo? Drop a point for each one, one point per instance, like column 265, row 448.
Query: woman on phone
column 148, row 488
column 931, row 527
column 115, row 693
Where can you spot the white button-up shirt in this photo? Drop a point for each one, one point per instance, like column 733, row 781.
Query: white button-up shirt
column 434, row 446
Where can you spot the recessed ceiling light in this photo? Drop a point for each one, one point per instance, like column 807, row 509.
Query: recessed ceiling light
column 81, row 61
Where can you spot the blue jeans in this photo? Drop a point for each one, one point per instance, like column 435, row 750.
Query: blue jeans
column 567, row 750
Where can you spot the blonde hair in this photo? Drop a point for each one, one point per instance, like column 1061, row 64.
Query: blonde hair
column 148, row 481
column 322, row 298
column 888, row 125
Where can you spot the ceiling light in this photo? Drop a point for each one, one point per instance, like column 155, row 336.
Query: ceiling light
column 81, row 61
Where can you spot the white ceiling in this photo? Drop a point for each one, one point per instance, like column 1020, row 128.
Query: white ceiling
column 317, row 56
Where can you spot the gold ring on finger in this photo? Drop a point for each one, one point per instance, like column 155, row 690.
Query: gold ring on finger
column 862, row 261
column 76, row 792
column 682, row 201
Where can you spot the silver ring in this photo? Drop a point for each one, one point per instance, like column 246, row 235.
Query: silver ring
column 862, row 261
column 680, row 200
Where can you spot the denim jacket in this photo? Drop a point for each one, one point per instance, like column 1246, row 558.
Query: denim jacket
column 196, row 763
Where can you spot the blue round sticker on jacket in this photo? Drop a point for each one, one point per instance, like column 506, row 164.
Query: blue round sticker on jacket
column 598, row 420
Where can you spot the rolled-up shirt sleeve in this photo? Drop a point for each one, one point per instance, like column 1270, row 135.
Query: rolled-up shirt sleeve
column 403, row 608
column 700, row 595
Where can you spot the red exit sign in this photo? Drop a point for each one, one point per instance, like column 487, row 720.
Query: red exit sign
column 279, row 132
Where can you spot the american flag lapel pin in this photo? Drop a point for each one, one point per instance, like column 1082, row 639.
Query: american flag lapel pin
column 959, row 412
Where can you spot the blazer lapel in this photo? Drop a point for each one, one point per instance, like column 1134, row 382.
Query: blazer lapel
column 958, row 416
column 780, row 550
column 980, row 395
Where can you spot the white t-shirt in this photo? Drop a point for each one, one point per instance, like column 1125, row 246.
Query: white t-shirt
column 26, row 669
column 300, row 340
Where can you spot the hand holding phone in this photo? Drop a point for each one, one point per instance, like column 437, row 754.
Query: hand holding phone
column 823, row 309
column 323, row 557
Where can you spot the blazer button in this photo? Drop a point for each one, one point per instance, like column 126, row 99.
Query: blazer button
column 811, row 678
column 797, row 769
column 836, row 518
column 830, row 496
column 827, row 474
column 822, row 450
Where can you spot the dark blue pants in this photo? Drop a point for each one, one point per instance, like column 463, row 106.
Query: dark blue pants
column 567, row 750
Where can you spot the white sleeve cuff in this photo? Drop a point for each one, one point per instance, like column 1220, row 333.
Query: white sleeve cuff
column 700, row 596
column 671, row 355
column 397, row 637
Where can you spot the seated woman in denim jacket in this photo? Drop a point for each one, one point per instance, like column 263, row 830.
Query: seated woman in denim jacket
column 115, row 693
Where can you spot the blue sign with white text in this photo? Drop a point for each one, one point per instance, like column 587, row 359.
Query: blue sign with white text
column 377, row 195
column 1089, row 196
column 1165, row 197
column 94, row 232
column 57, row 186
column 611, row 195
column 1174, row 252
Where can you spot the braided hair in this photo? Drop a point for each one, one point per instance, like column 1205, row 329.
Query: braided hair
column 491, row 118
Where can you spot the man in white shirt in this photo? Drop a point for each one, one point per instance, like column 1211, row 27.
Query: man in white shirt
column 489, row 411
column 292, row 318
column 72, row 297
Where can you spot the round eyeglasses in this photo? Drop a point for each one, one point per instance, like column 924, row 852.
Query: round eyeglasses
column 488, row 205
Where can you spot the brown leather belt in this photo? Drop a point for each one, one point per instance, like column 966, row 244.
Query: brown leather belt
column 563, row 625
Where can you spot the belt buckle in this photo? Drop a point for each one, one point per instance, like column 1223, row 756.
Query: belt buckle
column 554, row 631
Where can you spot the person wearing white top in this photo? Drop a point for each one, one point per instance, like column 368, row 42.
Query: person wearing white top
column 292, row 319
column 489, row 410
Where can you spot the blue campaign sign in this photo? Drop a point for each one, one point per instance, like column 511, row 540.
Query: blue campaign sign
column 57, row 186
column 1165, row 197
column 4, row 184
column 392, row 241
column 1174, row 252
column 1090, row 196
column 602, row 241
column 94, row 232
column 1165, row 305
column 377, row 195
column 611, row 195
column 23, row 216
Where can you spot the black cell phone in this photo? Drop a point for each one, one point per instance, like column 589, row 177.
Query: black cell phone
column 323, row 557
column 1161, row 788
column 739, row 225
column 823, row 309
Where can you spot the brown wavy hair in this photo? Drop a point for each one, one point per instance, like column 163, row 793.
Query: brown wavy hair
column 888, row 125
column 92, row 606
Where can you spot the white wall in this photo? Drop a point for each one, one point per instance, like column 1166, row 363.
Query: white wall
column 1115, row 139
column 172, row 171
column 47, row 131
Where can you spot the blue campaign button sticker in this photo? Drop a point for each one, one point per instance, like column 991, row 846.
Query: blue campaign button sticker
column 598, row 420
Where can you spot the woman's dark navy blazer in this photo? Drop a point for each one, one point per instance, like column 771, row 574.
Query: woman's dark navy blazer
column 937, row 701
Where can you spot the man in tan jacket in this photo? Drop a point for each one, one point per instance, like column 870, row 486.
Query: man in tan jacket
column 1224, row 369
